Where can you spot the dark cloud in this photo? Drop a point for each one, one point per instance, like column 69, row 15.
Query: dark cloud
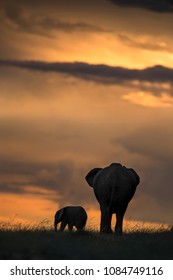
column 45, row 3
column 97, row 73
column 43, row 25
column 48, row 23
column 64, row 178
column 19, row 17
column 160, row 6
column 44, row 139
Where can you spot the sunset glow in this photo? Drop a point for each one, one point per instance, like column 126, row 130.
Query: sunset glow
column 84, row 84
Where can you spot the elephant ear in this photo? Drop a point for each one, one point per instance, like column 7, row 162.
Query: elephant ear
column 91, row 175
column 133, row 175
column 60, row 214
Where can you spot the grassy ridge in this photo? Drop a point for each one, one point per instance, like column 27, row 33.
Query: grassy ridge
column 42, row 243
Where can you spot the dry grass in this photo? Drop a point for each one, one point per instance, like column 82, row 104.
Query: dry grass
column 39, row 241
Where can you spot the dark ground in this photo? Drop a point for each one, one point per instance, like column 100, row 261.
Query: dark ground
column 46, row 244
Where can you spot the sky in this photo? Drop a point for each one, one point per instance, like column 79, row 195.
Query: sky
column 84, row 84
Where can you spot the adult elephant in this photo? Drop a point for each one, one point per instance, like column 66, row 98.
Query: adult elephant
column 114, row 187
column 73, row 216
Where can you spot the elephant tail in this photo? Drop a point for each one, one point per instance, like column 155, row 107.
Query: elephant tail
column 113, row 195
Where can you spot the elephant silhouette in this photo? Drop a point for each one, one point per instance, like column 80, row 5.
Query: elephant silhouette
column 73, row 216
column 114, row 187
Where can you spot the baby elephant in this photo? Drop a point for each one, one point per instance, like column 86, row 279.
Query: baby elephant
column 71, row 216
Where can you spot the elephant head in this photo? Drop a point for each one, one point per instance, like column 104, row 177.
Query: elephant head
column 71, row 216
column 114, row 187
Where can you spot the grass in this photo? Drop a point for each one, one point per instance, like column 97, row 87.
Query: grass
column 41, row 242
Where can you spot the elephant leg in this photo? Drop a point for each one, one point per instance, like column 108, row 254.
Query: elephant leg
column 70, row 227
column 119, row 222
column 80, row 228
column 106, row 217
column 63, row 225
column 55, row 226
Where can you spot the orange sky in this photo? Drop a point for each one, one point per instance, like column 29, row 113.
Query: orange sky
column 57, row 125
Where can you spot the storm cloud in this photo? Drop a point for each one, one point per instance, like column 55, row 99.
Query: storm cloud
column 61, row 180
column 160, row 6
column 97, row 73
